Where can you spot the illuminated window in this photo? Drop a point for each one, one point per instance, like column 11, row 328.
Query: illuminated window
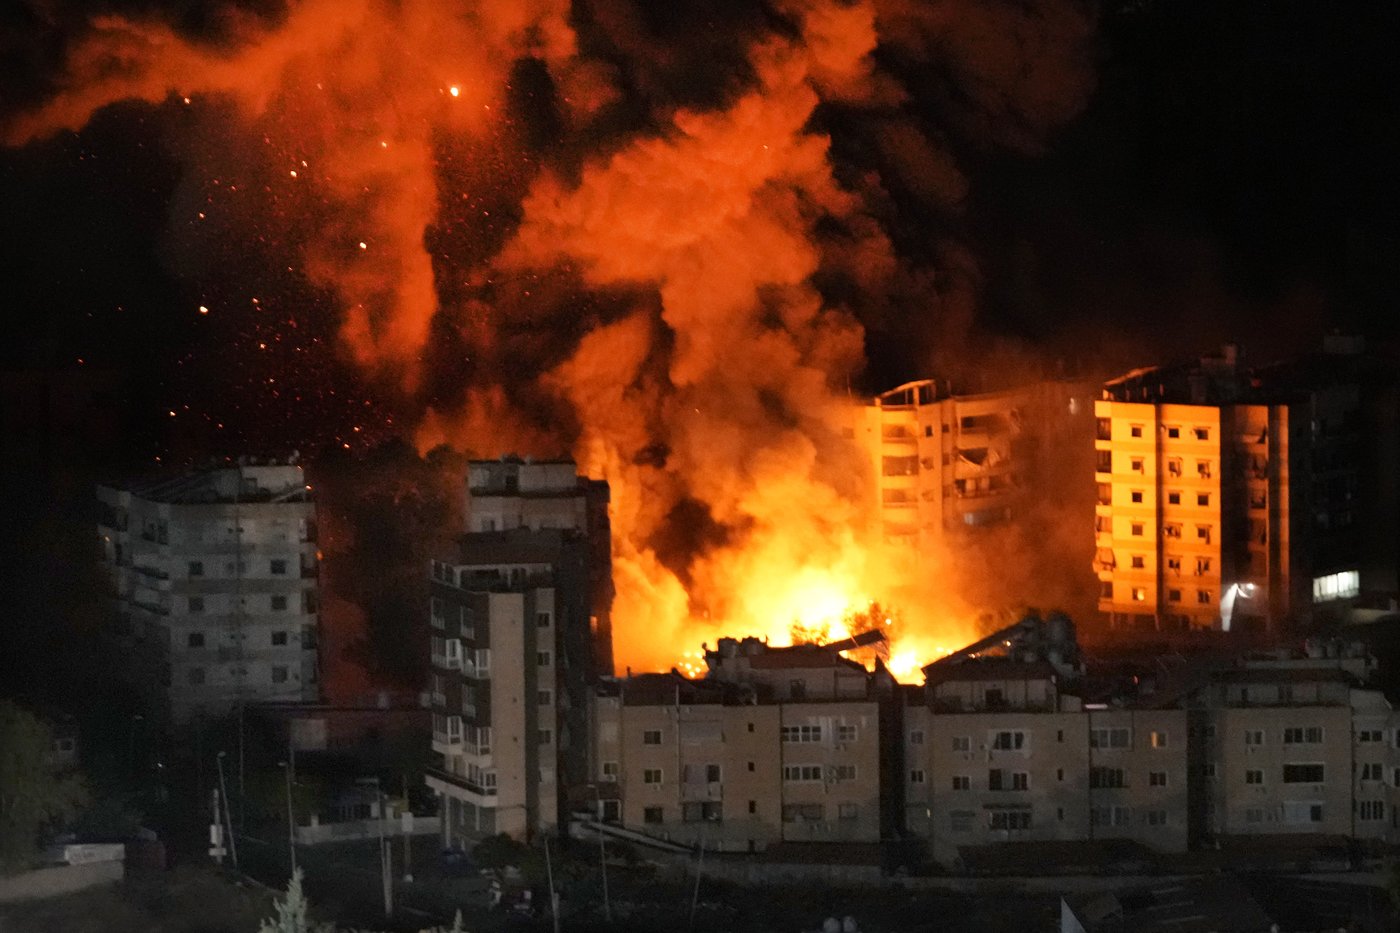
column 1158, row 739
column 1139, row 594
column 1203, row 597
column 1344, row 585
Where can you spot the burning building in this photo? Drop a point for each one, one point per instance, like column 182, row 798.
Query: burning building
column 215, row 576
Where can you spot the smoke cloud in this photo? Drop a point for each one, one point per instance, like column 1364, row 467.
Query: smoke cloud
column 653, row 239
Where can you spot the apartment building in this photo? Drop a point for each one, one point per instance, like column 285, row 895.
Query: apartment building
column 774, row 745
column 998, row 751
column 1237, row 498
column 1296, row 745
column 517, row 615
column 943, row 461
column 215, row 579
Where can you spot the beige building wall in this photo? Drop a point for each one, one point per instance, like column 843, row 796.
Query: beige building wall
column 1137, row 776
column 830, row 759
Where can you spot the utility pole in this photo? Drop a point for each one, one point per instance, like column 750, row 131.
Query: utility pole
column 406, row 828
column 553, row 896
column 291, row 821
column 699, row 867
column 228, row 817
column 385, row 860
column 602, row 853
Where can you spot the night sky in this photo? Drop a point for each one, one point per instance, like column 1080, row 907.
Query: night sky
column 1231, row 178
column 1110, row 186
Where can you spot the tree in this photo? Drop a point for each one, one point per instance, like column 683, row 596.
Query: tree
column 500, row 852
column 292, row 909
column 35, row 795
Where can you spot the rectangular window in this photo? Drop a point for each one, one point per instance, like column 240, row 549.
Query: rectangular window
column 610, row 771
column 916, row 737
column 1366, row 736
column 483, row 660
column 279, row 639
column 544, row 697
column 1173, row 498
column 1204, row 597
column 845, row 733
column 1110, row 816
column 1253, row 737
column 651, row 737
column 843, row 772
column 701, row 811
column 802, row 774
column 1020, row 780
column 195, row 640
column 802, row 734
column 651, row 776
column 916, row 776
column 803, row 813
column 1139, row 562
column 1102, row 778
column 1156, row 817
column 279, row 604
column 1009, row 820
column 1135, row 430
column 542, row 658
column 1156, row 779
column 1158, row 739
column 1202, row 434
column 1303, row 774
column 1203, row 469
column 1174, row 596
column 1302, row 811
column 544, row 737
column 1117, row 737
column 1254, row 776
column 1371, row 771
column 278, row 566
column 1010, row 740
column 196, row 568
column 1136, row 464
column 962, row 782
column 1299, row 735
column 1136, row 496
column 963, row 743
column 899, row 466
column 195, row 604
column 847, row 811
column 653, row 815
column 1371, row 810
column 1139, row 594
column 1136, row 529
column 1344, row 585
column 279, row 674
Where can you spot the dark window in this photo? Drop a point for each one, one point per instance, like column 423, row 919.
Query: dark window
column 279, row 567
column 196, row 568
column 279, row 674
column 279, row 638
column 653, row 815
column 196, row 603
column 196, row 640
column 279, row 604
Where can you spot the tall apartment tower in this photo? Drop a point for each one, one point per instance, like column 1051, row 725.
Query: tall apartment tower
column 215, row 577
column 943, row 461
column 520, row 634
column 1229, row 498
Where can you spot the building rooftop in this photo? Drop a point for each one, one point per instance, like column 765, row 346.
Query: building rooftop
column 1197, row 905
column 515, row 546
column 253, row 482
column 990, row 669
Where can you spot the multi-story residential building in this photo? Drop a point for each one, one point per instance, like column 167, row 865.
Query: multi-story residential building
column 1295, row 745
column 1230, row 498
column 1004, row 750
column 517, row 615
column 1009, row 741
column 215, row 575
column 943, row 461
column 775, row 745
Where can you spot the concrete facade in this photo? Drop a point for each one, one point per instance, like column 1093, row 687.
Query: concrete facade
column 518, row 615
column 215, row 577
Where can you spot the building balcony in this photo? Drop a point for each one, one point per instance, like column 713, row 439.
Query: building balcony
column 445, row 782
